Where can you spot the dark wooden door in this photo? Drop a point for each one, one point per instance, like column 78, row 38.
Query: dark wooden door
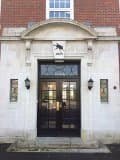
column 59, row 107
column 58, row 99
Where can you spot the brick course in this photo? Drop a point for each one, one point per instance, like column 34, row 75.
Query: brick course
column 18, row 13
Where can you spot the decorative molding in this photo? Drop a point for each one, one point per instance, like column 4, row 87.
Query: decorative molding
column 89, row 30
column 111, row 38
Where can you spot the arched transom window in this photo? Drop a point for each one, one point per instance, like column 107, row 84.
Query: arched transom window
column 59, row 9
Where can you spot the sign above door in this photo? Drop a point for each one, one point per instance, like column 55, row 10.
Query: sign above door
column 58, row 49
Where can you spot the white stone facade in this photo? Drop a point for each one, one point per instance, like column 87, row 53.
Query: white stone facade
column 98, row 120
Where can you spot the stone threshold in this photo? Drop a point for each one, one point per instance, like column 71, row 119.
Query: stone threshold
column 59, row 144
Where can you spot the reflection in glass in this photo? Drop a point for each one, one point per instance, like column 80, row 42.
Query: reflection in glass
column 65, row 126
column 65, row 87
column 73, row 104
column 65, row 94
column 48, row 85
column 44, row 106
column 45, row 96
column 52, row 104
column 72, row 126
column 72, row 90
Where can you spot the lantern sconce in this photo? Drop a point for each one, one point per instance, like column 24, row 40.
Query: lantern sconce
column 90, row 84
column 27, row 83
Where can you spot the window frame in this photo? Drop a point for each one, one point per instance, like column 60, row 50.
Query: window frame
column 71, row 10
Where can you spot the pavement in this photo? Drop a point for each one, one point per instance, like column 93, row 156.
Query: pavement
column 113, row 155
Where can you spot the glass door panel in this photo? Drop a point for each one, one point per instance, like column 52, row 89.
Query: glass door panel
column 59, row 106
column 70, row 105
column 48, row 104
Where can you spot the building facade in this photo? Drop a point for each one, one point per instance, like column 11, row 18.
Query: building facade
column 59, row 68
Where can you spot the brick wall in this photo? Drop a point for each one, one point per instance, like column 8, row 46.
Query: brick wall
column 18, row 13
column 98, row 12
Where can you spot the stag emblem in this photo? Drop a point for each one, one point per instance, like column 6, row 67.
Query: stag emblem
column 58, row 46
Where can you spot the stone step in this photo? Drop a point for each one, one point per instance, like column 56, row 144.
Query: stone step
column 55, row 145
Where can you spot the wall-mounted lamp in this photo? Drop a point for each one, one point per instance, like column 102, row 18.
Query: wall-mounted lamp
column 90, row 84
column 27, row 83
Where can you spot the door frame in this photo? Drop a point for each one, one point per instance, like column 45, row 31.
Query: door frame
column 78, row 62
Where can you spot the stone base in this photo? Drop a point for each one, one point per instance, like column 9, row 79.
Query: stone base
column 58, row 145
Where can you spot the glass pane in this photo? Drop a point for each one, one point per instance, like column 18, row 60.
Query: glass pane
column 52, row 124
column 65, row 86
column 62, row 14
column 48, row 90
column 73, row 85
column 44, row 106
column 51, row 16
column 72, row 126
column 62, row 4
column 51, row 85
column 45, row 96
column 67, row 14
column 59, row 70
column 48, row 85
column 67, row 3
column 57, row 4
column 44, row 86
column 56, row 14
column 65, row 126
column 52, row 113
column 73, row 104
column 65, row 94
column 44, row 123
column 52, row 105
column 52, row 94
column 51, row 3
column 73, row 90
column 65, row 90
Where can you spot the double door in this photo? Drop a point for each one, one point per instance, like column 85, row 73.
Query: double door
column 59, row 107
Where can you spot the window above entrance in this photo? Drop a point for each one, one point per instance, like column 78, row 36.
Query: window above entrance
column 59, row 9
column 59, row 69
